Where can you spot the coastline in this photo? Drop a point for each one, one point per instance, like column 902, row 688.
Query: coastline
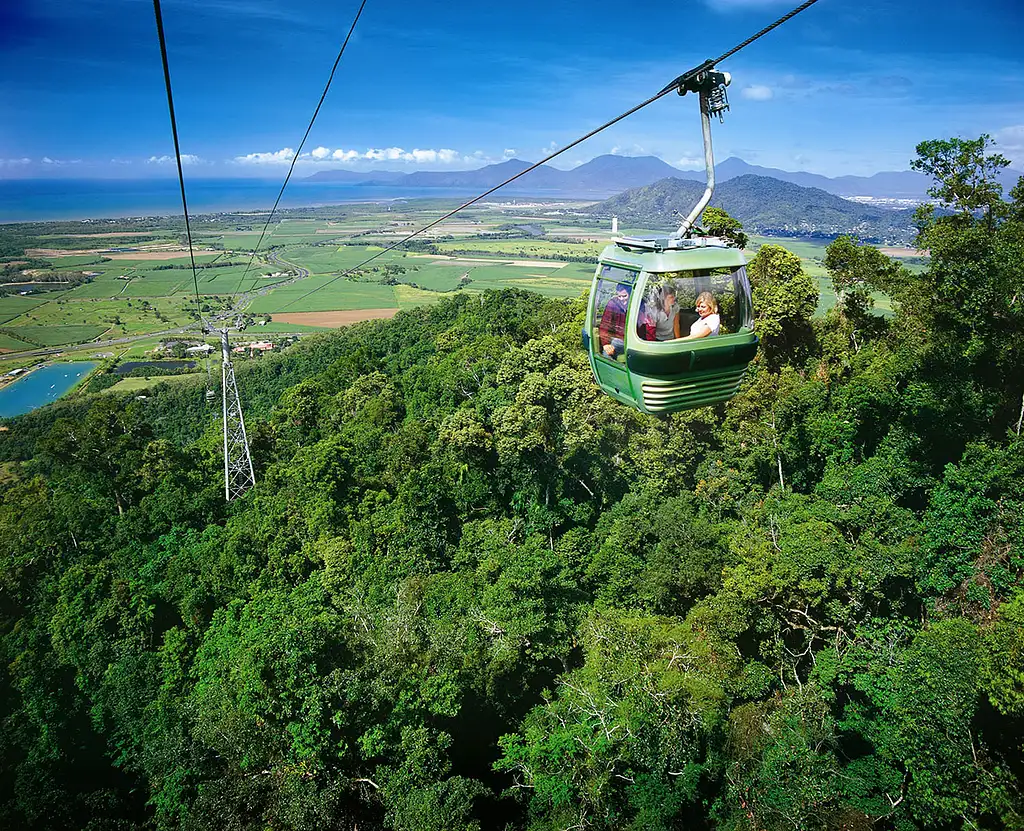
column 95, row 200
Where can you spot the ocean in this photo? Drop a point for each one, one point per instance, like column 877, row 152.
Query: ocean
column 39, row 200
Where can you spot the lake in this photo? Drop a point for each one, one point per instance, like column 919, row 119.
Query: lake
column 41, row 386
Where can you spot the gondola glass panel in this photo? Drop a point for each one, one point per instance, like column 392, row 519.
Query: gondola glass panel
column 665, row 361
column 612, row 295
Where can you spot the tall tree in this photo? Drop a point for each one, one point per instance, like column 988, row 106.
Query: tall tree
column 964, row 174
column 785, row 298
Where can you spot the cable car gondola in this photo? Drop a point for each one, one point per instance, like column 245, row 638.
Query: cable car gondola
column 655, row 354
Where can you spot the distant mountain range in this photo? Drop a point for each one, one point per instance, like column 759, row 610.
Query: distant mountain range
column 598, row 178
column 764, row 205
column 607, row 175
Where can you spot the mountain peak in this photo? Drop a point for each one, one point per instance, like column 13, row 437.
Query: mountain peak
column 764, row 205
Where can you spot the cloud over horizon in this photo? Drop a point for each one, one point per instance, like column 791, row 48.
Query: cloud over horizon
column 325, row 155
column 186, row 159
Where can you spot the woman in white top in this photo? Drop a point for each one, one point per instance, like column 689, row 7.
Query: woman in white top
column 709, row 320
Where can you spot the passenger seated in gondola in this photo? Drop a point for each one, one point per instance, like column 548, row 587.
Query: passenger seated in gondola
column 709, row 321
column 612, row 329
column 644, row 323
column 665, row 316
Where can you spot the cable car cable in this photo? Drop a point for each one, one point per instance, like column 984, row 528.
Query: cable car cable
column 302, row 143
column 678, row 84
column 177, row 153
column 682, row 79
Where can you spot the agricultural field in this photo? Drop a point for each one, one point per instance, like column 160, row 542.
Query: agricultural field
column 150, row 288
column 42, row 335
column 14, row 306
column 525, row 248
column 139, row 384
column 810, row 251
column 340, row 295
column 10, row 344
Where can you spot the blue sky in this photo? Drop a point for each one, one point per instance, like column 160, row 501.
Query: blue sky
column 847, row 87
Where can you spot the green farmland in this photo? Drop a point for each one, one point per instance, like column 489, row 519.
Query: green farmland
column 54, row 335
column 11, row 344
column 151, row 288
column 14, row 306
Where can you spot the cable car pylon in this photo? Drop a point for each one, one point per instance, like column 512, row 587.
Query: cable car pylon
column 239, row 475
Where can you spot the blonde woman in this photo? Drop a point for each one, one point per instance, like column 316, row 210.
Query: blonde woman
column 709, row 320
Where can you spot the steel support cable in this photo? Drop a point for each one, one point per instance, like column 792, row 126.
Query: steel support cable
column 177, row 153
column 302, row 143
column 677, row 84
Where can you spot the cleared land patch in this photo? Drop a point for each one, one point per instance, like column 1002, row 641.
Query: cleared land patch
column 14, row 305
column 136, row 384
column 9, row 344
column 108, row 234
column 336, row 318
column 409, row 297
column 147, row 255
column 341, row 295
column 902, row 253
column 55, row 335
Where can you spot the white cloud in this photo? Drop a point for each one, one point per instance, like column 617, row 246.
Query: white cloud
column 324, row 155
column 48, row 160
column 444, row 155
column 547, row 151
column 631, row 150
column 1010, row 142
column 693, row 162
column 509, row 153
column 757, row 92
column 398, row 154
column 12, row 162
column 283, row 156
column 186, row 159
column 389, row 154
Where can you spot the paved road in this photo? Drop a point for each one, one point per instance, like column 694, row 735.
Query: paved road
column 99, row 344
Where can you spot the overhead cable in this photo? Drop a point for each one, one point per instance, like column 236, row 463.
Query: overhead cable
column 302, row 143
column 177, row 152
column 678, row 84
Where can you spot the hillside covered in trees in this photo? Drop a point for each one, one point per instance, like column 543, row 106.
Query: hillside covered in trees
column 764, row 205
column 470, row 592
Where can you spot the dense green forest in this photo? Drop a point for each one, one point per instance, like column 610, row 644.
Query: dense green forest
column 469, row 591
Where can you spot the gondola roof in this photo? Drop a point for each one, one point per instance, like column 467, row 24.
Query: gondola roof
column 657, row 255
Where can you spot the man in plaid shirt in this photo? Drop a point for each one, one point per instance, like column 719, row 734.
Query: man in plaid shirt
column 612, row 328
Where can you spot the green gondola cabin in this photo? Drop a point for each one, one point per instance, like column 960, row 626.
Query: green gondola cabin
column 669, row 323
column 681, row 362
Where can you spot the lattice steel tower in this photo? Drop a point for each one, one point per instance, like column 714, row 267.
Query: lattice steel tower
column 239, row 475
